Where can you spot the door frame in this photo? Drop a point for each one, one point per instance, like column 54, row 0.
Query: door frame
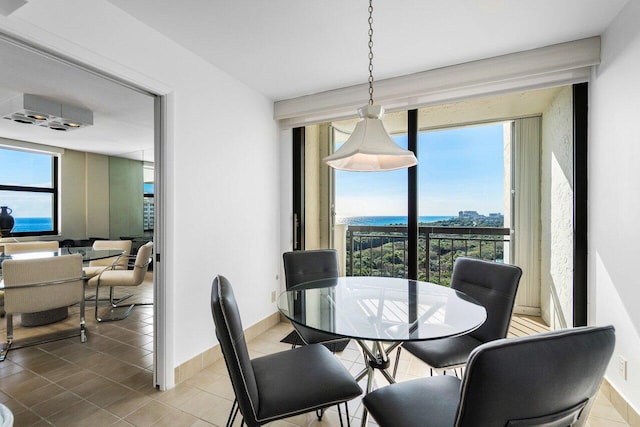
column 580, row 202
column 163, row 371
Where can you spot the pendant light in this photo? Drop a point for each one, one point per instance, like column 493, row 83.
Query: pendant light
column 370, row 148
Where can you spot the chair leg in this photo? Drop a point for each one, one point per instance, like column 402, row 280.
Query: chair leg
column 234, row 412
column 395, row 368
column 83, row 332
column 319, row 414
column 346, row 410
column 112, row 316
column 7, row 346
column 95, row 313
column 115, row 302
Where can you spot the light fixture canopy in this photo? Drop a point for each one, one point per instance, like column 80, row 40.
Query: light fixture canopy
column 370, row 148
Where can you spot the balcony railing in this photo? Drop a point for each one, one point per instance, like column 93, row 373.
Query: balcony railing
column 383, row 250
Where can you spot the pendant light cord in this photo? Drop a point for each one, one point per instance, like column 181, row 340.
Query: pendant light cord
column 370, row 52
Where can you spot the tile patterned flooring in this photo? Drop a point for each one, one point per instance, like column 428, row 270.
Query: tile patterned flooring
column 107, row 381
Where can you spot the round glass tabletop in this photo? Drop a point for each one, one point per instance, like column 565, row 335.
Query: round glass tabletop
column 382, row 308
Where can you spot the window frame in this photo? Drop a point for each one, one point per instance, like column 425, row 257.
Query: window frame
column 54, row 190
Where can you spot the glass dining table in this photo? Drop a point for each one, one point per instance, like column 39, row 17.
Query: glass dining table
column 58, row 314
column 88, row 254
column 380, row 313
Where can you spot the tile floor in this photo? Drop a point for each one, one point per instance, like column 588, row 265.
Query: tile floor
column 107, row 381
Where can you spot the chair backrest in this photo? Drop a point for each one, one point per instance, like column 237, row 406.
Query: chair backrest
column 305, row 266
column 234, row 348
column 40, row 246
column 548, row 379
column 124, row 245
column 492, row 284
column 66, row 269
column 141, row 265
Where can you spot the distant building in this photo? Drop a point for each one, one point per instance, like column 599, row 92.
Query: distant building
column 495, row 215
column 468, row 214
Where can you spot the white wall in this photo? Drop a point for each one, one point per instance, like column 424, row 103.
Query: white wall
column 556, row 206
column 614, row 195
column 223, row 167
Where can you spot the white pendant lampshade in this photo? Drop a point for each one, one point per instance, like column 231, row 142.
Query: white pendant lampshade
column 370, row 148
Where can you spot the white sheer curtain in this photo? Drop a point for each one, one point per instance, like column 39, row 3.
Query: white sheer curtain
column 526, row 245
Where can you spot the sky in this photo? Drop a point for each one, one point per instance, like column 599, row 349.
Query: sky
column 30, row 169
column 458, row 169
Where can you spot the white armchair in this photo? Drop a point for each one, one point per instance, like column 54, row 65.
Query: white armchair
column 119, row 263
column 113, row 277
column 39, row 285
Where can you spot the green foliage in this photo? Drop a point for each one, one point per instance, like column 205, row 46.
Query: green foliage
column 385, row 253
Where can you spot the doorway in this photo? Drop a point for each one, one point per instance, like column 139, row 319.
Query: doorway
column 128, row 127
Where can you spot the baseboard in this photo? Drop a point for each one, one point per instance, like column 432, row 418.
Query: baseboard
column 529, row 311
column 194, row 365
column 622, row 406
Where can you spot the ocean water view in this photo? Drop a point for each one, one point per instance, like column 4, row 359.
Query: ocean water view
column 375, row 221
column 32, row 224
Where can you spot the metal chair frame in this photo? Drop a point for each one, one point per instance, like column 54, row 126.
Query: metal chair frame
column 115, row 303
column 113, row 266
column 9, row 343
column 235, row 408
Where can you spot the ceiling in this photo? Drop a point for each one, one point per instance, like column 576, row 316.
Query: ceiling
column 290, row 48
column 123, row 118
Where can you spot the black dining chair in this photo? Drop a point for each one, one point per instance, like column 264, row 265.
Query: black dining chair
column 279, row 385
column 306, row 266
column 494, row 285
column 550, row 379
